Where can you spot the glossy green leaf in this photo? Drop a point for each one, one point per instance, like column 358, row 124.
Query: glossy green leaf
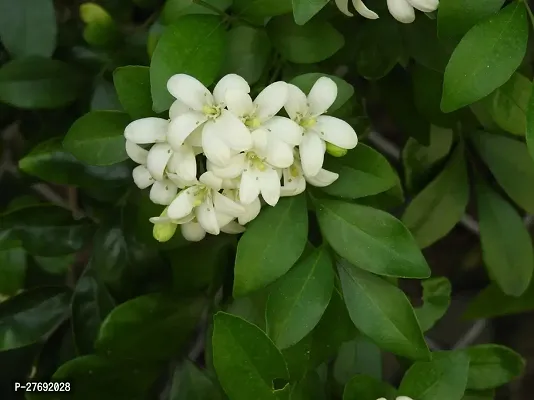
column 436, row 301
column 492, row 365
column 12, row 270
column 492, row 302
column 358, row 357
column 246, row 360
column 249, row 50
column 189, row 382
column 298, row 300
column 486, row 57
column 194, row 45
column 304, row 10
column 28, row 27
column 510, row 164
column 105, row 97
column 382, row 312
column 174, row 9
column 385, row 246
column 97, row 138
column 262, row 8
column 363, row 387
column 362, row 172
column 133, row 88
column 456, row 17
column 38, row 83
column 444, row 378
column 316, row 41
column 530, row 125
column 506, row 243
column 309, row 388
column 272, row 243
column 31, row 316
column 55, row 265
column 435, row 211
column 152, row 327
column 479, row 395
column 345, row 91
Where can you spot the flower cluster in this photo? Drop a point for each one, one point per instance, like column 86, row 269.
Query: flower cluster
column 402, row 10
column 250, row 152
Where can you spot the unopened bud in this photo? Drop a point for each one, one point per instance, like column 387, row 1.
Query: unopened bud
column 334, row 150
column 163, row 232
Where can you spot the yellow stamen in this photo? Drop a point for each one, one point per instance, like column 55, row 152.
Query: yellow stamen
column 253, row 123
column 308, row 123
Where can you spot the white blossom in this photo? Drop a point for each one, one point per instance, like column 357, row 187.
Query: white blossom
column 402, row 10
column 294, row 179
column 360, row 7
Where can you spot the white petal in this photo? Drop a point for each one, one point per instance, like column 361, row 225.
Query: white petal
column 235, row 167
column 285, row 129
column 363, row 10
column 401, row 10
column 269, row 186
column 147, row 130
column 323, row 178
column 230, row 183
column 249, row 188
column 163, row 192
column 279, row 154
column 252, row 210
column 293, row 185
column 343, row 6
column 322, row 95
column 233, row 131
column 207, row 218
column 239, row 103
column 215, row 149
column 136, row 153
column 336, row 131
column 142, row 177
column 403, row 398
column 312, row 151
column 211, row 180
column 193, row 232
column 297, row 103
column 183, row 163
column 260, row 141
column 195, row 139
column 271, row 100
column 158, row 157
column 233, row 228
column 181, row 127
column 160, row 220
column 178, row 108
column 229, row 82
column 189, row 91
column 425, row 5
column 227, row 206
column 179, row 181
column 182, row 205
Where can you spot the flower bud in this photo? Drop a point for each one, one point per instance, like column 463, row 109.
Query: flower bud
column 334, row 150
column 163, row 232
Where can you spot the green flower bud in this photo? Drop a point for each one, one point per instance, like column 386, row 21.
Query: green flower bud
column 164, row 232
column 334, row 150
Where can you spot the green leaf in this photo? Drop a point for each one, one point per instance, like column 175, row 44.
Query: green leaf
column 363, row 387
column 28, row 27
column 12, row 271
column 362, row 172
column 382, row 312
column 530, row 125
column 195, row 45
column 492, row 366
column 249, row 50
column 309, row 388
column 31, row 316
column 345, row 91
column 510, row 164
column 272, row 243
column 152, row 327
column 55, row 265
column 435, row 211
column 246, row 361
column 385, row 246
column 38, row 83
column 444, row 378
column 316, row 41
column 133, row 88
column 174, row 9
column 492, row 302
column 358, row 357
column 486, row 57
column 456, row 17
column 304, row 10
column 191, row 383
column 479, row 395
column 97, row 138
column 419, row 160
column 298, row 300
column 105, row 97
column 506, row 244
column 436, row 301
column 91, row 303
column 262, row 8
column 508, row 104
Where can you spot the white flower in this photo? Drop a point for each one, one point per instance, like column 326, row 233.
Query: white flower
column 221, row 131
column 360, row 7
column 403, row 10
column 318, row 129
column 252, row 210
column 294, row 179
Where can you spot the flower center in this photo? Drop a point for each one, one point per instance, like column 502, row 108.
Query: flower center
column 200, row 193
column 212, row 111
column 256, row 161
column 252, row 122
column 294, row 171
column 307, row 123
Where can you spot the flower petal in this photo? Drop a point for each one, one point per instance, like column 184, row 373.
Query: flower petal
column 183, row 126
column 158, row 157
column 297, row 103
column 271, row 100
column 233, row 131
column 249, row 188
column 293, row 185
column 401, row 10
column 227, row 206
column 343, row 6
column 269, row 186
column 147, row 130
column 207, row 218
column 195, row 139
column 178, row 108
column 322, row 95
column 182, row 205
column 252, row 210
column 215, row 149
column 285, row 129
column 189, row 91
column 163, row 192
column 209, row 179
column 136, row 152
column 363, row 10
column 192, row 231
column 229, row 82
column 142, row 177
column 235, row 167
column 239, row 103
column 179, row 181
column 183, row 163
column 279, row 154
column 323, row 178
column 311, row 152
column 424, row 5
column 336, row 131
column 233, row 228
